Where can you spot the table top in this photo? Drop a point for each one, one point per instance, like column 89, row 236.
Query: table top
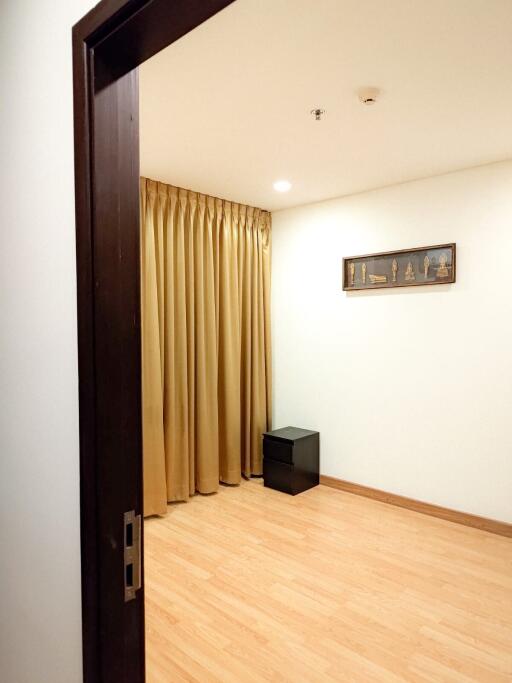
column 289, row 434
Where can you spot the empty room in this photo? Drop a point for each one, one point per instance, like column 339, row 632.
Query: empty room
column 257, row 408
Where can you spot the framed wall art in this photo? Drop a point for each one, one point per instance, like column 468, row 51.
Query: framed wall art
column 405, row 268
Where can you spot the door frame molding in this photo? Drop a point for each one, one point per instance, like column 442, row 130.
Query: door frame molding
column 112, row 40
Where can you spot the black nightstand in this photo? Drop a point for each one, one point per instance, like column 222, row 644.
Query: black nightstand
column 291, row 459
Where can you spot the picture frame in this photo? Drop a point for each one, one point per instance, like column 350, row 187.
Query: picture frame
column 419, row 266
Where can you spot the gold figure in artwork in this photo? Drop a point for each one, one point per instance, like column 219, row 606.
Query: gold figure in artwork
column 426, row 266
column 442, row 270
column 377, row 279
column 409, row 272
column 363, row 273
column 351, row 274
column 394, row 269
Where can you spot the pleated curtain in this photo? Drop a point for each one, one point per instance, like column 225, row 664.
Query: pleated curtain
column 206, row 378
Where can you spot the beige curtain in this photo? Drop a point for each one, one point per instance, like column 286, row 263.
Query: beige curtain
column 206, row 379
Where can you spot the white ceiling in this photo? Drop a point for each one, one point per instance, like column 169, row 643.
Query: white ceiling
column 225, row 110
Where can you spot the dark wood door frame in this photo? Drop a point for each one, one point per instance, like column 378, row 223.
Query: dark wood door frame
column 108, row 44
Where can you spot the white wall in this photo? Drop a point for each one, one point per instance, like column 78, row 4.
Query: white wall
column 40, row 621
column 411, row 389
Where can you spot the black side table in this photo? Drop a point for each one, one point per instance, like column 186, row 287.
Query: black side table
column 291, row 459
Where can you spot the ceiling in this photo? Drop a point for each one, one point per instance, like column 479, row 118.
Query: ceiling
column 226, row 110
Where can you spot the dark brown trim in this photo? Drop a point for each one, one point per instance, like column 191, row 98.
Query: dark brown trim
column 86, row 364
column 108, row 43
column 464, row 518
column 397, row 285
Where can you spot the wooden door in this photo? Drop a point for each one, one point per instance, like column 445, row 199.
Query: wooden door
column 118, row 377
column 108, row 45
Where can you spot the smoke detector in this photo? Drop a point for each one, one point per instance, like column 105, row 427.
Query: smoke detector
column 368, row 96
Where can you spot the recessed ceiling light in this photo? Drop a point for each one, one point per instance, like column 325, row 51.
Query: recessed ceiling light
column 282, row 185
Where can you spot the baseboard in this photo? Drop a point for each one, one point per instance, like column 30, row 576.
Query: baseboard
column 491, row 525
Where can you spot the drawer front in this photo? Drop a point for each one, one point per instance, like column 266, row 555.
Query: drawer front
column 278, row 475
column 278, row 450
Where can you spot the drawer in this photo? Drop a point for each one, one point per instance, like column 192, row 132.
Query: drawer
column 277, row 475
column 278, row 450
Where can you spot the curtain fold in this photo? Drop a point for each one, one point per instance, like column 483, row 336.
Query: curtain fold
column 206, row 379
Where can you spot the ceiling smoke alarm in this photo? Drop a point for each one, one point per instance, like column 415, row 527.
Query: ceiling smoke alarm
column 368, row 96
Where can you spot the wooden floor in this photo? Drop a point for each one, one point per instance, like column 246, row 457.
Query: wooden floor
column 253, row 585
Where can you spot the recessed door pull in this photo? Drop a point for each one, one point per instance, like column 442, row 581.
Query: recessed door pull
column 132, row 569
